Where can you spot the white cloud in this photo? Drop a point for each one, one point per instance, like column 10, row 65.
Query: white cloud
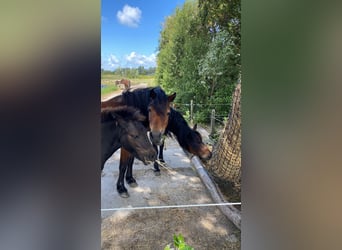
column 134, row 60
column 113, row 61
column 129, row 16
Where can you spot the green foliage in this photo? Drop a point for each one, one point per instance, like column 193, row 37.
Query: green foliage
column 179, row 243
column 221, row 15
column 199, row 55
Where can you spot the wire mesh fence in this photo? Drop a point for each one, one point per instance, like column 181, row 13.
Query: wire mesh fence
column 215, row 114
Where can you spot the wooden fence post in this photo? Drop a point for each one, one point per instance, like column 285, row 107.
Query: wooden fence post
column 212, row 122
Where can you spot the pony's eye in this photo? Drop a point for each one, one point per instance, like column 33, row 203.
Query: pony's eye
column 168, row 113
column 149, row 109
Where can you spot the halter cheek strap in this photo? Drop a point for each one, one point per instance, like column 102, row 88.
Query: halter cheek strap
column 149, row 137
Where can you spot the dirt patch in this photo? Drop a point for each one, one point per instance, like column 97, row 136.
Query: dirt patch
column 202, row 228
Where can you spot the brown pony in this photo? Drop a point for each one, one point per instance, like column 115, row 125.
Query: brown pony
column 154, row 104
column 123, row 82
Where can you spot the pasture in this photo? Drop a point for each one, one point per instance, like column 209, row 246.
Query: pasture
column 108, row 86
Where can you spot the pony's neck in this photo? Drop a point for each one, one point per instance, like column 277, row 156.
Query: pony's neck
column 179, row 127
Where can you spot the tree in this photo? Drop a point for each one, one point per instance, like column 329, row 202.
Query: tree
column 222, row 15
column 181, row 46
column 219, row 70
column 226, row 161
column 199, row 55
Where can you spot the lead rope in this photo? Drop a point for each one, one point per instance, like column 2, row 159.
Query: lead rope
column 163, row 165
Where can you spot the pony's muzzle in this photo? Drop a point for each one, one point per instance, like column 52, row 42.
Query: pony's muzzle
column 151, row 157
column 208, row 157
column 156, row 138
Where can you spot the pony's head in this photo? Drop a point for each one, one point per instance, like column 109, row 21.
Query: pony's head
column 195, row 144
column 134, row 136
column 158, row 113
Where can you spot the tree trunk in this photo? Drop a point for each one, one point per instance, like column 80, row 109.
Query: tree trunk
column 226, row 161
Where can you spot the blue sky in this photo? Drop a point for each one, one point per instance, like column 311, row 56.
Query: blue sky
column 130, row 31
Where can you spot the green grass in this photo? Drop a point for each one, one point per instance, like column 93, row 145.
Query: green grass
column 110, row 79
column 108, row 89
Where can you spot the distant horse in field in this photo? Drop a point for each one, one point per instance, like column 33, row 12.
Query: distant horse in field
column 189, row 139
column 123, row 83
column 122, row 127
column 154, row 104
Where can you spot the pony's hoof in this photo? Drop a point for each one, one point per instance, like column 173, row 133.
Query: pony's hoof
column 133, row 184
column 124, row 195
column 156, row 173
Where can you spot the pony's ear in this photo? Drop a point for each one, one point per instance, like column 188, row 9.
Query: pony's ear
column 153, row 94
column 170, row 98
column 195, row 126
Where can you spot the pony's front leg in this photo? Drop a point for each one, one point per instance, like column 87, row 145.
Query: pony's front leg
column 129, row 173
column 120, row 185
column 160, row 158
column 161, row 150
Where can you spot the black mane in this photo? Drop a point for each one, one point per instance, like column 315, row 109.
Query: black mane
column 140, row 98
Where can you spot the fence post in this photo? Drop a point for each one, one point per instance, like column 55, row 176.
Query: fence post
column 212, row 122
column 191, row 111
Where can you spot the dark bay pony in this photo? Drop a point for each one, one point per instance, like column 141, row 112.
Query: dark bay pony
column 188, row 138
column 122, row 127
column 154, row 104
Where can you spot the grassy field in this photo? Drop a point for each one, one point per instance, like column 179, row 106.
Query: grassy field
column 108, row 82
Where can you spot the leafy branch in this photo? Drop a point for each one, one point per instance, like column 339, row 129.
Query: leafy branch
column 179, row 243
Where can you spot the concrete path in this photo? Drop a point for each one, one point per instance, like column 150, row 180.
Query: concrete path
column 178, row 184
